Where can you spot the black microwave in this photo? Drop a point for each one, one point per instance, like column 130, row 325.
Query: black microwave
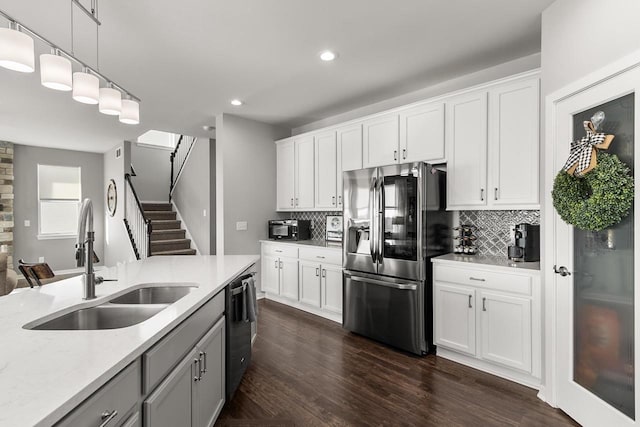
column 289, row 229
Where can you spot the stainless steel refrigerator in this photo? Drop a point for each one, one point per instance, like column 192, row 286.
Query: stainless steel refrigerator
column 394, row 222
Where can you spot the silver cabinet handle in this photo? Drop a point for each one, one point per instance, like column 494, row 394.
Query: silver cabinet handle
column 395, row 154
column 401, row 286
column 563, row 271
column 292, row 201
column 196, row 366
column 107, row 416
column 476, row 279
column 404, row 153
column 276, row 263
column 495, row 193
column 470, row 306
column 482, row 194
column 333, row 200
column 317, row 271
column 296, row 201
column 324, row 273
column 202, row 368
column 339, row 200
column 278, row 250
column 318, row 256
column 280, row 265
column 204, row 357
column 484, row 304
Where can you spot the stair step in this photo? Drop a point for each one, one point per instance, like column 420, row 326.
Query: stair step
column 166, row 234
column 166, row 215
column 170, row 245
column 160, row 224
column 176, row 252
column 154, row 206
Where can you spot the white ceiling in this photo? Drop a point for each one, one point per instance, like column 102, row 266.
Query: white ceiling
column 187, row 60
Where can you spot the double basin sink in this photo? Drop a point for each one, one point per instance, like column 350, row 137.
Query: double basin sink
column 128, row 309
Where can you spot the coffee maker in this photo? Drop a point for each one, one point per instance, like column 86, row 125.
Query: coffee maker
column 525, row 243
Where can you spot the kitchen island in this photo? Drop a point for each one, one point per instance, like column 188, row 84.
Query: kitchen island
column 45, row 374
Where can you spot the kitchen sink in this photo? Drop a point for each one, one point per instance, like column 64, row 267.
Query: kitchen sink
column 154, row 295
column 106, row 316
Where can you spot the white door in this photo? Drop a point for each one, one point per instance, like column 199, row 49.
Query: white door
column 349, row 154
column 505, row 327
column 331, row 287
column 455, row 318
column 289, row 278
column 514, row 144
column 466, row 124
column 310, row 283
column 596, row 292
column 326, row 170
column 304, row 172
column 285, row 178
column 422, row 133
column 380, row 141
column 270, row 274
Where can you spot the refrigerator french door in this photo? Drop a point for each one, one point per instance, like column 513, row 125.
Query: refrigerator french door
column 394, row 220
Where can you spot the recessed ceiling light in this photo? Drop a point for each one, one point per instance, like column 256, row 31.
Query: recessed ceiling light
column 236, row 102
column 327, row 55
column 209, row 128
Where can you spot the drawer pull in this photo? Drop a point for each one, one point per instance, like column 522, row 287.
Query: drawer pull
column 318, row 256
column 107, row 416
column 277, row 250
column 476, row 279
column 470, row 306
column 484, row 304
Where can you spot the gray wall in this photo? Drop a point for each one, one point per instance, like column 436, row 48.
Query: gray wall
column 58, row 253
column 153, row 171
column 192, row 195
column 245, row 182
column 117, row 247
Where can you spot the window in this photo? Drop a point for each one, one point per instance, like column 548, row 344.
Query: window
column 59, row 196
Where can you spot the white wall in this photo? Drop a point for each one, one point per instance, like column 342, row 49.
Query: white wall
column 153, row 170
column 516, row 66
column 192, row 195
column 245, row 182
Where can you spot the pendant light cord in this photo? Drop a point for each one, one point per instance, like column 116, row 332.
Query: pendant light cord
column 71, row 4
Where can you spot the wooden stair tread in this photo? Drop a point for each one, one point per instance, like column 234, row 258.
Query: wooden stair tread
column 175, row 252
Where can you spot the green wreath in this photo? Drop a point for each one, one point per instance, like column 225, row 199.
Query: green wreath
column 599, row 200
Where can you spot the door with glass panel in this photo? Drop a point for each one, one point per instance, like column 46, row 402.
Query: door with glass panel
column 596, row 323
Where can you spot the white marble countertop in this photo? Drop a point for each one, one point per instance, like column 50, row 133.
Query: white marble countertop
column 45, row 374
column 317, row 243
column 493, row 261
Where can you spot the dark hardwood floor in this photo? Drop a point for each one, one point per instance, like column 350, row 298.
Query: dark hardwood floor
column 308, row 371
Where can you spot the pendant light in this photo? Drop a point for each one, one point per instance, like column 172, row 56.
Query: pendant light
column 16, row 50
column 55, row 71
column 86, row 87
column 130, row 113
column 110, row 101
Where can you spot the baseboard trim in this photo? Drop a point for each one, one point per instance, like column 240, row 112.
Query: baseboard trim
column 303, row 307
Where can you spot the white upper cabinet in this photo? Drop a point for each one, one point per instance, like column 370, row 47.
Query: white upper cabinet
column 422, row 133
column 466, row 134
column 514, row 144
column 304, row 172
column 326, row 175
column 380, row 140
column 285, row 177
column 349, row 153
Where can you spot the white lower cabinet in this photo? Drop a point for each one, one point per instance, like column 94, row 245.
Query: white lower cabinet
column 489, row 318
column 312, row 281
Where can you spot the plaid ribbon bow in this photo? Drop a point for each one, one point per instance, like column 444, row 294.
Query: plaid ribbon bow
column 582, row 149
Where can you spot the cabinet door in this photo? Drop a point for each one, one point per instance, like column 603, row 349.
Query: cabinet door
column 170, row 404
column 454, row 318
column 310, row 283
column 289, row 278
column 285, row 178
column 380, row 141
column 422, row 133
column 349, row 153
column 208, row 398
column 331, row 287
column 304, row 172
column 270, row 274
column 466, row 136
column 514, row 144
column 506, row 330
column 326, row 170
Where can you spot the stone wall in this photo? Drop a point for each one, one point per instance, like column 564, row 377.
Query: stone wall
column 6, row 200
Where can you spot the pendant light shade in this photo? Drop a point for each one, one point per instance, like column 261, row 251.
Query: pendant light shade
column 110, row 101
column 16, row 51
column 86, row 88
column 55, row 72
column 130, row 113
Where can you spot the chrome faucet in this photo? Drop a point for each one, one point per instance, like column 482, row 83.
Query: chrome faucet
column 84, row 249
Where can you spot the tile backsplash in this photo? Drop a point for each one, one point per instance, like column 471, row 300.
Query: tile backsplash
column 494, row 228
column 318, row 222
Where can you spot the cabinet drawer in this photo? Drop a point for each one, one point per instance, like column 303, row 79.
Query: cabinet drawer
column 158, row 361
column 323, row 256
column 514, row 283
column 120, row 394
column 288, row 251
